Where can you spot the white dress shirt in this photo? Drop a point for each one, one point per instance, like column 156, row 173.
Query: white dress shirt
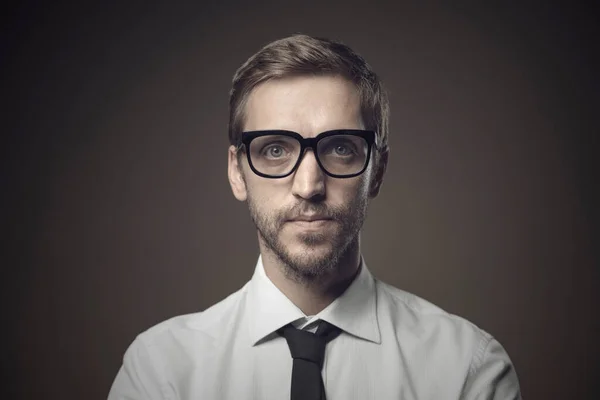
column 393, row 345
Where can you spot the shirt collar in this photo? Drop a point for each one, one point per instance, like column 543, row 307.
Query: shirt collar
column 354, row 311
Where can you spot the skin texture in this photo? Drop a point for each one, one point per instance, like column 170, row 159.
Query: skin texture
column 311, row 265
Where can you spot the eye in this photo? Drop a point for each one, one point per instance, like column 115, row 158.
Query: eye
column 342, row 150
column 273, row 151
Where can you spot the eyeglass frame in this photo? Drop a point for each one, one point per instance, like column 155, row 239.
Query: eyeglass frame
column 305, row 143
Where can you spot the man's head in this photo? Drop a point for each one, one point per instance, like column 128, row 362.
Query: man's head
column 308, row 86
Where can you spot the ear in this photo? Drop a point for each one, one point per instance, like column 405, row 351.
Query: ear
column 379, row 173
column 236, row 175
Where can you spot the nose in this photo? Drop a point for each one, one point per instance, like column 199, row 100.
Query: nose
column 309, row 178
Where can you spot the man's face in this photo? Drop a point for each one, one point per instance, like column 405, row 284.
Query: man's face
column 307, row 105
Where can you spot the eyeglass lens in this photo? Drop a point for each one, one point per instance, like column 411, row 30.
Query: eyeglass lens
column 339, row 154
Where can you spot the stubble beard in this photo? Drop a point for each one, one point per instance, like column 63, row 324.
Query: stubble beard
column 307, row 267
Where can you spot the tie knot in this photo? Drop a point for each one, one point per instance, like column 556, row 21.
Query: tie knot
column 308, row 346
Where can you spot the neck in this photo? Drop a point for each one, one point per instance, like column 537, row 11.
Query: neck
column 315, row 295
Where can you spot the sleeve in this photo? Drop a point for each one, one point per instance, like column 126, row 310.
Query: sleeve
column 492, row 375
column 138, row 378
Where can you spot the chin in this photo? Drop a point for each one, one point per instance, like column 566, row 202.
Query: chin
column 310, row 267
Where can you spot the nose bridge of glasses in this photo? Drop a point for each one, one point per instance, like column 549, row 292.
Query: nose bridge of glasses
column 309, row 144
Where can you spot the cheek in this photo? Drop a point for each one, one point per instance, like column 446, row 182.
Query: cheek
column 267, row 200
column 347, row 192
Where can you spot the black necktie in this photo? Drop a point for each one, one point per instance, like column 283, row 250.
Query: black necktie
column 308, row 352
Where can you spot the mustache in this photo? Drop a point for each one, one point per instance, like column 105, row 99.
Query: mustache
column 321, row 210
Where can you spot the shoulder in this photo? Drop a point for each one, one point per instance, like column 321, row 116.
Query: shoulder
column 411, row 314
column 170, row 349
column 177, row 335
column 447, row 344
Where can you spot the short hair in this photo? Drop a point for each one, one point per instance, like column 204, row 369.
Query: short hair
column 306, row 55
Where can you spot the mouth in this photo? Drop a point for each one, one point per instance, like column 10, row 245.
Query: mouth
column 311, row 223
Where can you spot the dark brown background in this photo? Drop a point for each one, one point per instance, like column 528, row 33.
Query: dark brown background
column 118, row 214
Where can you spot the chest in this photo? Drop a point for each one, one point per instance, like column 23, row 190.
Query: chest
column 353, row 369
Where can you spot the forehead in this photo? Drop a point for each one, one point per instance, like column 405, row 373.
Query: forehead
column 305, row 104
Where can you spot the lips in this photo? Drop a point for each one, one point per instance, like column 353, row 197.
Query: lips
column 312, row 218
column 311, row 223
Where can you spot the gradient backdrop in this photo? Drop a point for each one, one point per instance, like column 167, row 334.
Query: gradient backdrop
column 118, row 213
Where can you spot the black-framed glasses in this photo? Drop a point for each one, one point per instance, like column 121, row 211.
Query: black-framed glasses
column 341, row 153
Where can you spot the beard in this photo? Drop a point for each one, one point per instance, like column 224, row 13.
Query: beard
column 307, row 266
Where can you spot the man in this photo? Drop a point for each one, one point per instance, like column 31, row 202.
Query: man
column 308, row 131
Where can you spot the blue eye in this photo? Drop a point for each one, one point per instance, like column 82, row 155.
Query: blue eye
column 340, row 148
column 345, row 150
column 275, row 151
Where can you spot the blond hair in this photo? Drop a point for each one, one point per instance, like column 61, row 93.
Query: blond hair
column 306, row 55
